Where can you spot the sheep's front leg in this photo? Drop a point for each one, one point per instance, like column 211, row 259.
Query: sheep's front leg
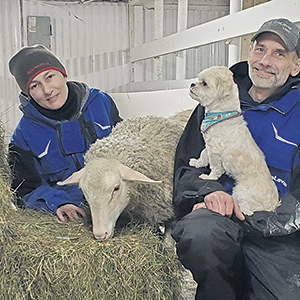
column 202, row 161
column 216, row 168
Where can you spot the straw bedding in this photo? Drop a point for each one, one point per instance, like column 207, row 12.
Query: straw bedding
column 42, row 258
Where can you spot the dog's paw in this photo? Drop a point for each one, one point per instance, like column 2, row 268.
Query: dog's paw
column 208, row 177
column 194, row 162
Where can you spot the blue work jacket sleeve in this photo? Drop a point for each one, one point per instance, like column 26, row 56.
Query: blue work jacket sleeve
column 49, row 198
column 32, row 190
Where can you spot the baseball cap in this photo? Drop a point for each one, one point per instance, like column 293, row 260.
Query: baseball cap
column 285, row 29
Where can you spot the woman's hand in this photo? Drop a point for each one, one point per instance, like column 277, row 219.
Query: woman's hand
column 221, row 203
column 71, row 211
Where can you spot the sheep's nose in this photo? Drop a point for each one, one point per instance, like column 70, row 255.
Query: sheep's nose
column 192, row 85
column 102, row 237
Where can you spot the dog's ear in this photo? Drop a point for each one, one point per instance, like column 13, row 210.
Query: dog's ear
column 225, row 86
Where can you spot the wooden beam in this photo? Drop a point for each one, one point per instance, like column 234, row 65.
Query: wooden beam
column 150, row 3
column 224, row 28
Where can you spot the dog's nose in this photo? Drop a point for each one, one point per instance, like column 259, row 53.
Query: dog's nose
column 192, row 84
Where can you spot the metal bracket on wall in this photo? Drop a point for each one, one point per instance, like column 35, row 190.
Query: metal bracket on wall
column 39, row 31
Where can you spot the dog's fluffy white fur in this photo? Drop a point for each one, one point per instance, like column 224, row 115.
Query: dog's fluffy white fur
column 229, row 145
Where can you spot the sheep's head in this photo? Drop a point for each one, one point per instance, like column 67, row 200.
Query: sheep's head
column 104, row 185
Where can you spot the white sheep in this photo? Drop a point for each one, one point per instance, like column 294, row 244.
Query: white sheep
column 136, row 150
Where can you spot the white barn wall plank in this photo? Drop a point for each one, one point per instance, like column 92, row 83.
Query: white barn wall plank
column 91, row 40
column 10, row 32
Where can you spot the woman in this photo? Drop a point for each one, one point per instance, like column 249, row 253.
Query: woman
column 61, row 119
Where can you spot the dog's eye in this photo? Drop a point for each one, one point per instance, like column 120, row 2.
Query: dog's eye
column 203, row 83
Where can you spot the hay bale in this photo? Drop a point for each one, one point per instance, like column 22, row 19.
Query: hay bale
column 43, row 258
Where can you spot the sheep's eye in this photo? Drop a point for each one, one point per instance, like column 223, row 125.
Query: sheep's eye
column 117, row 187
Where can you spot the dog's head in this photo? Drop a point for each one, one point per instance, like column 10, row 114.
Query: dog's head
column 216, row 89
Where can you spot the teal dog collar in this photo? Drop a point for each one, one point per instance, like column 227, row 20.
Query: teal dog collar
column 216, row 117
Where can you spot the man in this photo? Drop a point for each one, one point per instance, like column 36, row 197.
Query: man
column 231, row 255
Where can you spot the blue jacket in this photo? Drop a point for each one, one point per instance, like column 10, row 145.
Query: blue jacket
column 43, row 151
column 274, row 125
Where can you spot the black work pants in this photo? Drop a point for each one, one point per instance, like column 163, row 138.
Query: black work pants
column 229, row 260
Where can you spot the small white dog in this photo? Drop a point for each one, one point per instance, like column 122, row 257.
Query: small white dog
column 230, row 147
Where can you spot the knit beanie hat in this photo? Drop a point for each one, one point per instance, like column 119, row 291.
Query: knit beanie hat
column 31, row 61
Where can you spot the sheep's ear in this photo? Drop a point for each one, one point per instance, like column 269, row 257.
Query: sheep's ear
column 132, row 175
column 73, row 179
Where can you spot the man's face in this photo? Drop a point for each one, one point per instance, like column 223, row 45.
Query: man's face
column 49, row 89
column 270, row 64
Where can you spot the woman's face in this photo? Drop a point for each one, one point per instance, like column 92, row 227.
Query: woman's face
column 49, row 89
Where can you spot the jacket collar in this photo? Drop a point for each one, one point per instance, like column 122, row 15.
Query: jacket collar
column 283, row 105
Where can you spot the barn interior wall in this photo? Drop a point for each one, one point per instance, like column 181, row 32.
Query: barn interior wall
column 93, row 41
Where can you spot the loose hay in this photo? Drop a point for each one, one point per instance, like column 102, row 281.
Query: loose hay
column 42, row 258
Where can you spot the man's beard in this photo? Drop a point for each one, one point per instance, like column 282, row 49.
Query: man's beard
column 261, row 81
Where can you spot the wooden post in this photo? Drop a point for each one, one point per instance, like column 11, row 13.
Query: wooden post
column 158, row 33
column 181, row 25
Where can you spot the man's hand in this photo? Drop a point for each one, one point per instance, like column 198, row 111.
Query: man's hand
column 221, row 203
column 71, row 211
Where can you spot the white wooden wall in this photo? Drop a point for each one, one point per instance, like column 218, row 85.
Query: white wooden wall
column 223, row 29
column 153, row 20
column 93, row 40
